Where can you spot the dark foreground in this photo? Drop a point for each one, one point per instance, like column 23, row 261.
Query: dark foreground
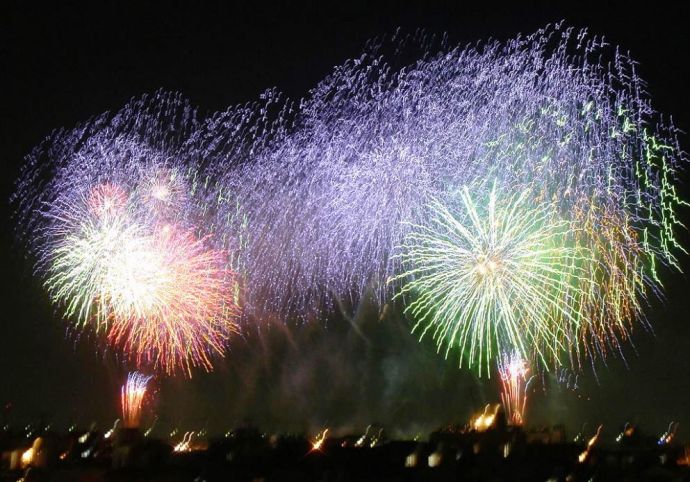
column 496, row 454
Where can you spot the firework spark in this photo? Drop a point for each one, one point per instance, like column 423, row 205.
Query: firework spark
column 493, row 275
column 122, row 246
column 160, row 294
column 513, row 371
column 327, row 192
column 132, row 398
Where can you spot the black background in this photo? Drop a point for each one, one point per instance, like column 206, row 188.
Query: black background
column 63, row 62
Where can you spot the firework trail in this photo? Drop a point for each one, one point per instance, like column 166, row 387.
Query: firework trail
column 513, row 371
column 132, row 397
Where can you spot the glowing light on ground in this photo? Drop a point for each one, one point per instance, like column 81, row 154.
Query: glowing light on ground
column 590, row 443
column 485, row 420
column 515, row 196
column 318, row 441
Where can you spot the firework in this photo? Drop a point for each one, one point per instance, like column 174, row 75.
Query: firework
column 585, row 164
column 132, row 398
column 370, row 184
column 329, row 189
column 119, row 237
column 160, row 294
column 189, row 443
column 164, row 192
column 171, row 302
column 668, row 436
column 513, row 371
column 493, row 275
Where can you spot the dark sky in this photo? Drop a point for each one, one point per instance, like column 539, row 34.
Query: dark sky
column 62, row 63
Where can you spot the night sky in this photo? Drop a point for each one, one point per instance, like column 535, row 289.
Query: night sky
column 62, row 64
